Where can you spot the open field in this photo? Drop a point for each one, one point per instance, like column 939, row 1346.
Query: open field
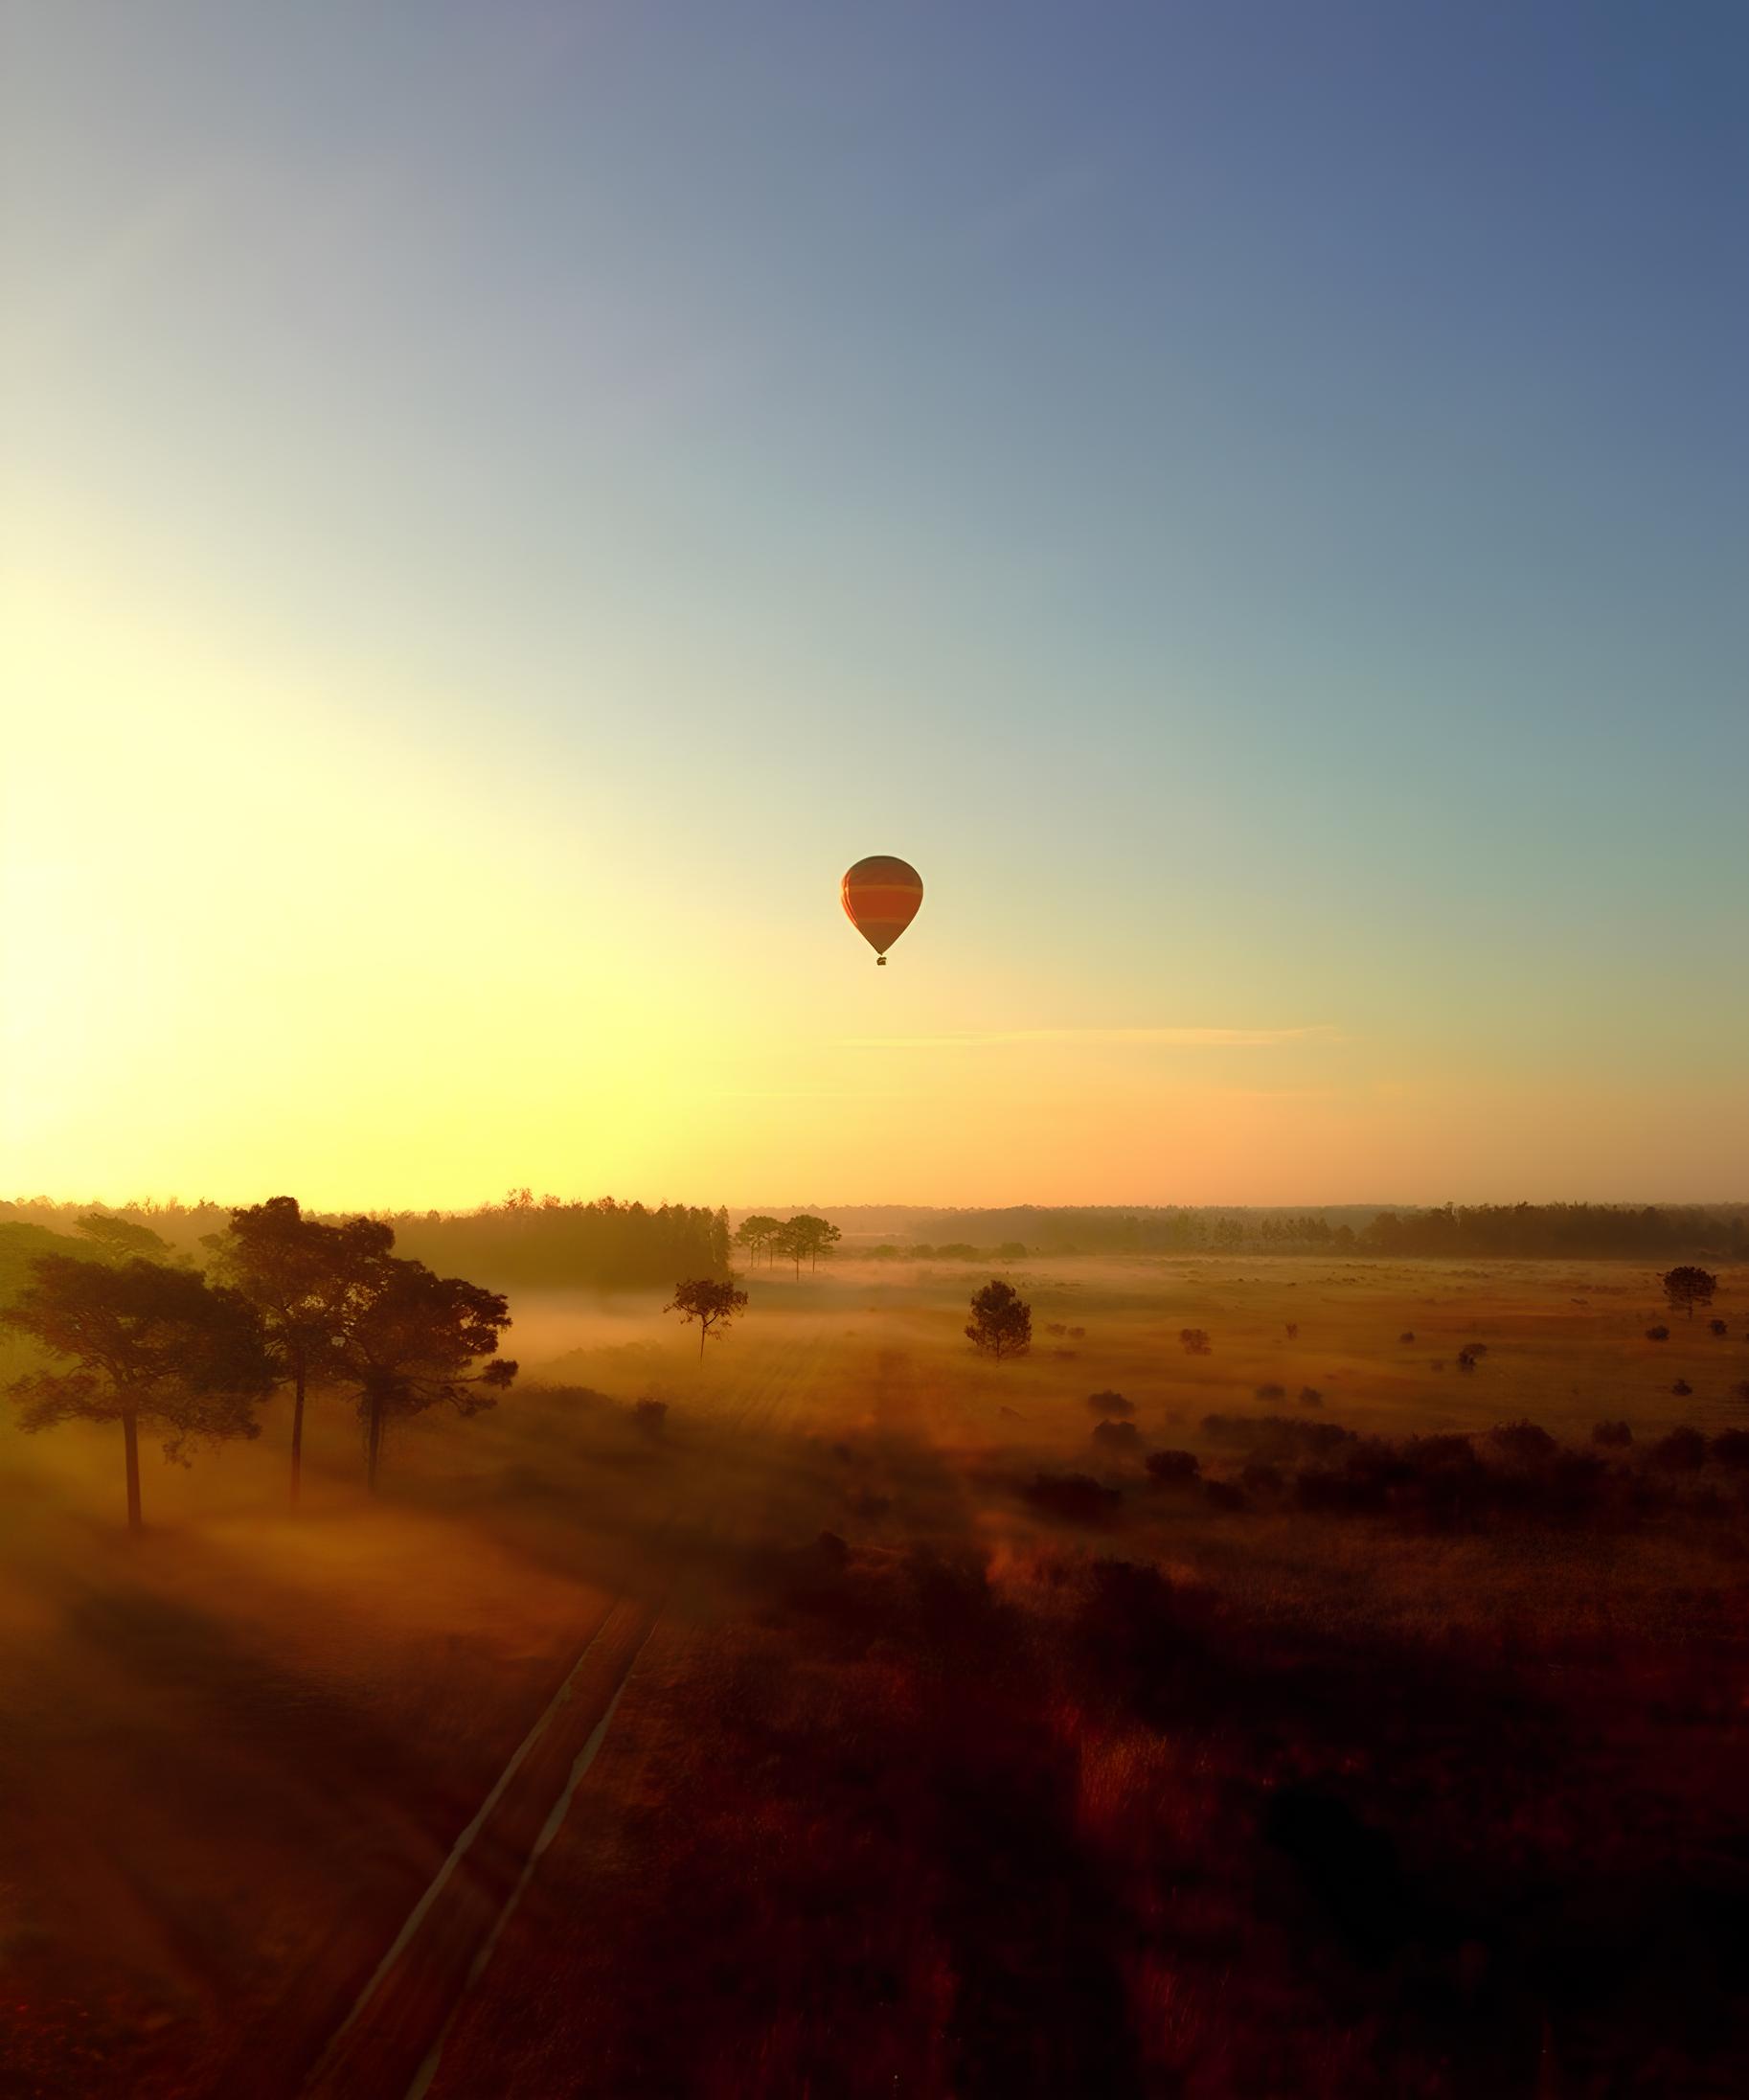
column 1329, row 1771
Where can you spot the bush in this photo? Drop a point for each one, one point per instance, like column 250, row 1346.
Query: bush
column 1682, row 1450
column 651, row 1417
column 1293, row 1330
column 1074, row 1496
column 1612, row 1433
column 1682, row 1388
column 1117, row 1436
column 1194, row 1340
column 1178, row 1469
column 1523, row 1443
column 1276, row 1436
column 1466, row 1360
column 1310, row 1397
column 1657, row 1333
column 1407, row 1335
column 1271, row 1392
column 1717, row 1327
column 1108, row 1405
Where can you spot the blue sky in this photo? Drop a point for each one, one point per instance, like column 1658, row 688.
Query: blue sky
column 1252, row 500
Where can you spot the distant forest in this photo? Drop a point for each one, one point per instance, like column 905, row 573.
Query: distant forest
column 1482, row 1231
column 526, row 1241
column 541, row 1242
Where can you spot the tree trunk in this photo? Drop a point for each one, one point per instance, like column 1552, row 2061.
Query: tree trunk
column 297, row 1432
column 703, row 1331
column 130, row 1438
column 373, row 1444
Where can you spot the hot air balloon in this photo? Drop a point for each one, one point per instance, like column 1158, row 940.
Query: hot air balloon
column 881, row 894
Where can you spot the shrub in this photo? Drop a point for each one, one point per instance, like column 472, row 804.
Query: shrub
column 1524, row 1443
column 1407, row 1335
column 651, row 1417
column 1276, row 1436
column 1310, row 1397
column 1657, row 1333
column 1194, row 1340
column 1271, row 1392
column 1466, row 1360
column 1117, row 1436
column 1180, row 1468
column 1074, row 1496
column 1717, row 1327
column 1613, row 1433
column 1293, row 1330
column 1110, row 1404
column 1682, row 1388
column 1682, row 1450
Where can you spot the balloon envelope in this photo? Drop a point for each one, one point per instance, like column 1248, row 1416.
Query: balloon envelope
column 881, row 894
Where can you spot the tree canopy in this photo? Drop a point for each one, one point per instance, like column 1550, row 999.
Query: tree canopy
column 1001, row 1323
column 143, row 1343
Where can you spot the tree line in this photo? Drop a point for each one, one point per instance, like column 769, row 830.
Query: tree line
column 287, row 1302
column 526, row 1241
column 1466, row 1231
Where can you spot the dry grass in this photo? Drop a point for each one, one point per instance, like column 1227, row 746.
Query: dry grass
column 939, row 1806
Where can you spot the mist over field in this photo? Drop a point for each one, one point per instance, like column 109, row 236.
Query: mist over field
column 1234, row 1690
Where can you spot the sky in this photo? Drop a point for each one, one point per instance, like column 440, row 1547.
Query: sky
column 499, row 507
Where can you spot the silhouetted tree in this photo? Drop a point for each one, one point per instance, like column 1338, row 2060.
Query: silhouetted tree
column 411, row 1340
column 1001, row 1323
column 305, row 1279
column 805, row 1238
column 757, row 1234
column 1688, row 1287
column 713, row 1304
column 118, row 1239
column 146, row 1343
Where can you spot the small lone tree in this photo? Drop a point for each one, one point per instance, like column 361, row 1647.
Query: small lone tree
column 1687, row 1287
column 711, row 1304
column 1001, row 1323
column 145, row 1343
column 411, row 1340
column 1194, row 1340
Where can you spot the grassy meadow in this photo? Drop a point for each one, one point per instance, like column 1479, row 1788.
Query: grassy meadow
column 931, row 1744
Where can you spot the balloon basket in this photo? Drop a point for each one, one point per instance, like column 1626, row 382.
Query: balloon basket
column 880, row 962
